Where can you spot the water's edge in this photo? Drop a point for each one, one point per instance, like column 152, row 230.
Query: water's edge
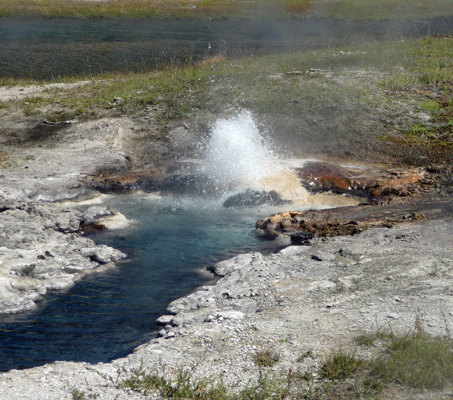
column 48, row 49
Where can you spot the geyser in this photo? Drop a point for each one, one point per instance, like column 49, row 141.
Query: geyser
column 237, row 157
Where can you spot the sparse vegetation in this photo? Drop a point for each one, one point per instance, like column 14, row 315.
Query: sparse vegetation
column 408, row 79
column 77, row 394
column 184, row 386
column 415, row 360
column 2, row 157
column 341, row 365
column 418, row 131
column 6, row 162
column 152, row 8
column 305, row 355
column 280, row 84
column 266, row 358
column 386, row 9
column 369, row 339
column 173, row 92
column 359, row 9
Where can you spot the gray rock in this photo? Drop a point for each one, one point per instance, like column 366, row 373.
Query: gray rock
column 40, row 252
column 253, row 198
column 164, row 319
column 226, row 267
column 67, row 223
column 231, row 314
column 179, row 320
column 102, row 254
column 95, row 212
column 293, row 250
column 322, row 255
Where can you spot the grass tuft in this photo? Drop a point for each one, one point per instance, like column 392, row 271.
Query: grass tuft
column 416, row 360
column 77, row 394
column 184, row 386
column 266, row 358
column 369, row 339
column 341, row 365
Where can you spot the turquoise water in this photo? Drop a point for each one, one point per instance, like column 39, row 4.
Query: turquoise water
column 169, row 242
column 105, row 317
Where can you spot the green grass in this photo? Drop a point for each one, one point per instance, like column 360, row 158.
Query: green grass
column 152, row 8
column 279, row 84
column 3, row 158
column 439, row 131
column 384, row 9
column 357, row 9
column 417, row 360
column 418, row 131
column 80, row 9
column 341, row 365
column 369, row 339
column 266, row 358
column 183, row 386
column 431, row 106
column 175, row 90
column 77, row 394
column 413, row 360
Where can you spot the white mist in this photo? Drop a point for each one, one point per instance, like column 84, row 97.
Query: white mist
column 237, row 156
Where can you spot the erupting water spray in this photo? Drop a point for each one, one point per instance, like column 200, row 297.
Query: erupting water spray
column 237, row 155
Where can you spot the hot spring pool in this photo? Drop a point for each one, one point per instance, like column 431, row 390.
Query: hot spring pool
column 170, row 241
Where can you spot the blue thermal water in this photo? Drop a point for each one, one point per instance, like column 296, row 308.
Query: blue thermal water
column 106, row 316
column 172, row 239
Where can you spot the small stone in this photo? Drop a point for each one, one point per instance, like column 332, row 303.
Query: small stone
column 319, row 255
column 164, row 319
column 178, row 321
column 393, row 316
column 231, row 315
